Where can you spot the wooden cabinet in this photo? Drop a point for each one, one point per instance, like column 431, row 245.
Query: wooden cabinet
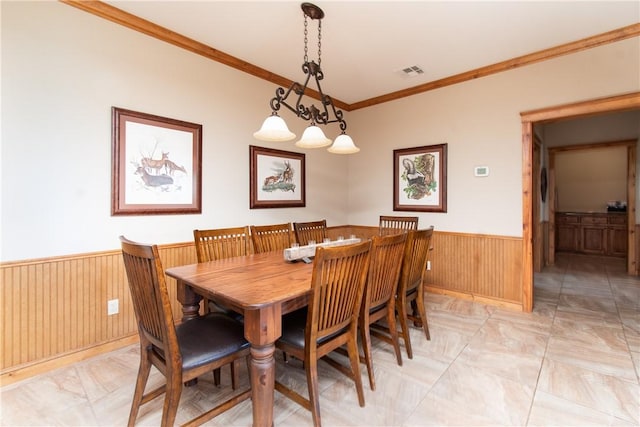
column 592, row 233
column 617, row 235
column 593, row 240
column 567, row 233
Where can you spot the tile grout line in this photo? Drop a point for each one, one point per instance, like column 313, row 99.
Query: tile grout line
column 471, row 337
column 624, row 332
column 546, row 346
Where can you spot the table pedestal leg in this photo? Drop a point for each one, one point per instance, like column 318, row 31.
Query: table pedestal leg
column 262, row 327
column 262, row 365
column 190, row 301
column 190, row 310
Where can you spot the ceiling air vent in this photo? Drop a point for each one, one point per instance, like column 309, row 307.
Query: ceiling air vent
column 412, row 71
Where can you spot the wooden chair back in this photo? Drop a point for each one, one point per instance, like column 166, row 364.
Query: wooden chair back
column 410, row 294
column 269, row 238
column 397, row 224
column 379, row 296
column 221, row 243
column 387, row 253
column 313, row 230
column 329, row 322
column 414, row 263
column 150, row 298
column 337, row 284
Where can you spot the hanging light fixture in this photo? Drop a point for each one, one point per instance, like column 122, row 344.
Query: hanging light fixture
column 274, row 127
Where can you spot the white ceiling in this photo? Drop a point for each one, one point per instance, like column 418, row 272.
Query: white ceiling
column 365, row 43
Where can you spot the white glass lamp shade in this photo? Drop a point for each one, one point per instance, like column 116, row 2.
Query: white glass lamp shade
column 313, row 137
column 343, row 145
column 274, row 129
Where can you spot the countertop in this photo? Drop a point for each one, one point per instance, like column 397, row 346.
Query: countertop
column 591, row 213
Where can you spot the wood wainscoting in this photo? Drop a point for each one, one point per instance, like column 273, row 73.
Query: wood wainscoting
column 54, row 310
column 483, row 268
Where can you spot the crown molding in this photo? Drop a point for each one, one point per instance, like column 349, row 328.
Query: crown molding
column 136, row 23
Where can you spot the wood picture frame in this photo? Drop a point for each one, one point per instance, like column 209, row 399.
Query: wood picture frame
column 420, row 179
column 277, row 178
column 156, row 164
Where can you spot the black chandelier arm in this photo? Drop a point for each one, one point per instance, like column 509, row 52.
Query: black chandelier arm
column 281, row 96
column 343, row 126
column 319, row 116
column 304, row 113
column 337, row 113
column 275, row 101
column 301, row 110
column 313, row 69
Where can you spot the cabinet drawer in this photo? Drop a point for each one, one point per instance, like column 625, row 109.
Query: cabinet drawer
column 567, row 219
column 594, row 220
column 617, row 220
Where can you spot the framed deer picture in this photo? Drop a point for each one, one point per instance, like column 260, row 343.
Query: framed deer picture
column 156, row 164
column 420, row 179
column 276, row 178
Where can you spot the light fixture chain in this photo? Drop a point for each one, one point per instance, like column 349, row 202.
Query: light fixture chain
column 319, row 40
column 306, row 57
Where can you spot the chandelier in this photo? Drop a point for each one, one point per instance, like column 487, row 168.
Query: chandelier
column 274, row 127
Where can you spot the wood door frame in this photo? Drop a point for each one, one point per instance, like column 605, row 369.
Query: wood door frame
column 538, row 233
column 625, row 102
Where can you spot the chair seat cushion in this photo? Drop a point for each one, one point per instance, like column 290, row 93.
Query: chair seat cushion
column 411, row 292
column 377, row 308
column 293, row 326
column 209, row 338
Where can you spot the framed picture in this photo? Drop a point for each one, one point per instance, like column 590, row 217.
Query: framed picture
column 156, row 165
column 420, row 179
column 276, row 178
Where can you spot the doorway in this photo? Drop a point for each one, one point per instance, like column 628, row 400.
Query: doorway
column 621, row 174
column 581, row 109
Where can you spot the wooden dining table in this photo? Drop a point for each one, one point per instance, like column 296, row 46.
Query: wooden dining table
column 263, row 287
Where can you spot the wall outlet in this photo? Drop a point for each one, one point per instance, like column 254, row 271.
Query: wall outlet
column 112, row 307
column 428, row 265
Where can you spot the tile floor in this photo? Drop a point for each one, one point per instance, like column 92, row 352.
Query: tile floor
column 574, row 361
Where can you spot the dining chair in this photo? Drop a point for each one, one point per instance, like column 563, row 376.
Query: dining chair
column 397, row 224
column 215, row 244
column 410, row 293
column 269, row 238
column 329, row 321
column 378, row 301
column 306, row 231
column 220, row 243
column 180, row 352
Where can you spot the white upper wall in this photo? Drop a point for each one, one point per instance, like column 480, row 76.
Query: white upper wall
column 63, row 70
column 480, row 122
